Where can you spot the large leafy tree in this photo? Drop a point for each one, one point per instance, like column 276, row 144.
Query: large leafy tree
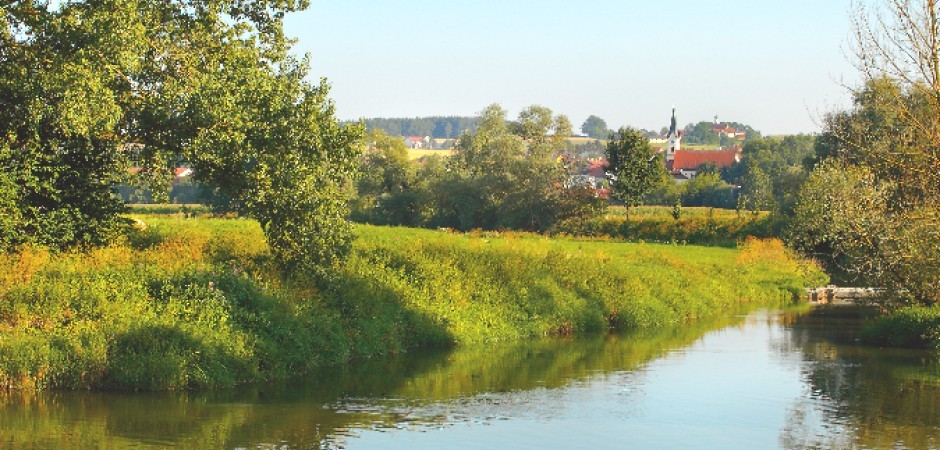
column 633, row 167
column 392, row 189
column 595, row 127
column 89, row 87
column 872, row 203
column 505, row 174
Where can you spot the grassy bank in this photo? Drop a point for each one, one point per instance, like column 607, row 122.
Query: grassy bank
column 696, row 225
column 913, row 327
column 197, row 303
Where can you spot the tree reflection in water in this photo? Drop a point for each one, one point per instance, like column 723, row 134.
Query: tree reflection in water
column 853, row 396
column 860, row 397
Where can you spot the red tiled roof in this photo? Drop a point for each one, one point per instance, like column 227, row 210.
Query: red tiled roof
column 598, row 168
column 723, row 127
column 691, row 159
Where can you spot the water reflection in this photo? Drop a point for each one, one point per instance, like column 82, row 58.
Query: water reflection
column 761, row 380
column 861, row 397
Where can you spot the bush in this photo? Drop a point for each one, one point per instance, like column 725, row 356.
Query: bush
column 916, row 327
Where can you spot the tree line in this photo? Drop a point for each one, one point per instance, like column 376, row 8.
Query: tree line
column 438, row 127
column 504, row 175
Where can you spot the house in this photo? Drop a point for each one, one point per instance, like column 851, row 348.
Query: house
column 727, row 130
column 418, row 141
column 597, row 167
column 683, row 165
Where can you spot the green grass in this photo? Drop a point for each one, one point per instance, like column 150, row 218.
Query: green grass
column 197, row 302
column 696, row 225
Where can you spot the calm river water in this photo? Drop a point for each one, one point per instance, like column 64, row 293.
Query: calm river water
column 768, row 379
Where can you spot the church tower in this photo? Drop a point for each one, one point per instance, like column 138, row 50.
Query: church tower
column 673, row 139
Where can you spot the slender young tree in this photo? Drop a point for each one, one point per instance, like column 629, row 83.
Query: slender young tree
column 633, row 167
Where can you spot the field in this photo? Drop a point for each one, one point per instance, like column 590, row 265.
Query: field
column 417, row 153
column 194, row 303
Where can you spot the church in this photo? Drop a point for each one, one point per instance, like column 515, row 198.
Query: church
column 684, row 165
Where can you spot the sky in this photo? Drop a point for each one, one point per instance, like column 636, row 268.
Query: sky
column 778, row 66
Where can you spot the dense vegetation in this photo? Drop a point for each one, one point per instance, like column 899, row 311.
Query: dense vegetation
column 697, row 226
column 90, row 88
column 439, row 127
column 767, row 178
column 190, row 303
column 700, row 133
column 504, row 175
column 633, row 168
column 872, row 203
column 914, row 326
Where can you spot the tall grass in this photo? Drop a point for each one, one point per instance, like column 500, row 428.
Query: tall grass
column 695, row 225
column 198, row 303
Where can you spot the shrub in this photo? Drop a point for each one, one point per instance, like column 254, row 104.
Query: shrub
column 917, row 327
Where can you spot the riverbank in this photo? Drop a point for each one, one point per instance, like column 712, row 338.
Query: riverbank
column 197, row 303
column 911, row 327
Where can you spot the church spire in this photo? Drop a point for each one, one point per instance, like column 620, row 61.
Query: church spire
column 673, row 139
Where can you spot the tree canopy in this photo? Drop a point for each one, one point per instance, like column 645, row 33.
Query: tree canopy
column 449, row 127
column 872, row 200
column 634, row 167
column 595, row 127
column 90, row 88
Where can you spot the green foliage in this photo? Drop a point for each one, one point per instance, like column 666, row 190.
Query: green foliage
column 504, row 175
column 916, row 327
column 633, row 167
column 708, row 190
column 756, row 192
column 871, row 206
column 595, row 127
column 771, row 171
column 200, row 303
column 845, row 216
column 875, row 189
column 89, row 88
column 392, row 189
column 439, row 127
column 695, row 225
column 701, row 133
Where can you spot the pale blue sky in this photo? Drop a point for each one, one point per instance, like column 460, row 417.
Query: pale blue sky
column 776, row 65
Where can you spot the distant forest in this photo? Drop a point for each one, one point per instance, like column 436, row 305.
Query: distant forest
column 439, row 127
column 450, row 127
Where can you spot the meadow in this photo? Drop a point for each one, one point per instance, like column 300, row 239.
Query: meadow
column 195, row 303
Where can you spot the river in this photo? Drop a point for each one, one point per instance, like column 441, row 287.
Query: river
column 764, row 379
